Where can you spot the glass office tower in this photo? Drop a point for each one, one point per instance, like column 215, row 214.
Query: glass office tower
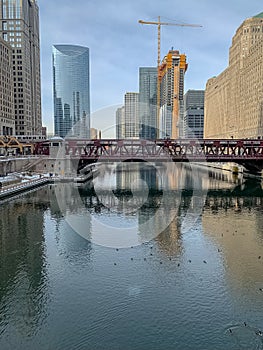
column 147, row 102
column 71, row 90
column 194, row 101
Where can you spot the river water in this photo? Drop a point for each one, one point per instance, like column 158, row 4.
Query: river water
column 145, row 257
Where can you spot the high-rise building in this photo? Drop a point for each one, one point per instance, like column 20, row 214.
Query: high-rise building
column 148, row 102
column 234, row 99
column 71, row 90
column 7, row 117
column 120, row 123
column 131, row 115
column 194, row 114
column 94, row 133
column 20, row 28
column 171, row 75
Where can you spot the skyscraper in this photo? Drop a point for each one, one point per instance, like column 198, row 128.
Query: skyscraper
column 194, row 114
column 120, row 123
column 71, row 90
column 234, row 99
column 20, row 28
column 7, row 118
column 131, row 115
column 147, row 102
column 172, row 70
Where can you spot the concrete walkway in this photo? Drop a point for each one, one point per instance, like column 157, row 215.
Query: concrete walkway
column 11, row 190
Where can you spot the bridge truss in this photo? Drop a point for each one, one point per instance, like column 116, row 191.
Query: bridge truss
column 246, row 152
column 175, row 150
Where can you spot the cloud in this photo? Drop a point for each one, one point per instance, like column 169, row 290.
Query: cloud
column 119, row 45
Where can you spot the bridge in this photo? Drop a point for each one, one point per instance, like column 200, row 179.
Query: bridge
column 247, row 152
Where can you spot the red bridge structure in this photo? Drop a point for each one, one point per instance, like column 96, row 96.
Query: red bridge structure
column 247, row 152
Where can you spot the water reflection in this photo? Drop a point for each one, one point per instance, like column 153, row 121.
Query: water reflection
column 236, row 225
column 136, row 198
column 186, row 288
column 23, row 282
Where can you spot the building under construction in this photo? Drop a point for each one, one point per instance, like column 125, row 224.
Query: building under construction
column 171, row 79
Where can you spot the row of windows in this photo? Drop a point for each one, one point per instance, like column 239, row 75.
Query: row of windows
column 11, row 40
column 16, row 45
column 19, row 57
column 12, row 9
column 18, row 84
column 15, row 34
column 195, row 124
column 11, row 23
column 255, row 29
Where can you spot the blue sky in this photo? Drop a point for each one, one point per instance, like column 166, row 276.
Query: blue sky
column 119, row 45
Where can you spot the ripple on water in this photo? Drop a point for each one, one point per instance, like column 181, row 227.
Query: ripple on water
column 245, row 337
column 134, row 291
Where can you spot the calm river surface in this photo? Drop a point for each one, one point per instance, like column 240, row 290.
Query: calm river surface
column 150, row 257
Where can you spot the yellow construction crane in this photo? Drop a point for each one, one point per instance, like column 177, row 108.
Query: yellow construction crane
column 159, row 24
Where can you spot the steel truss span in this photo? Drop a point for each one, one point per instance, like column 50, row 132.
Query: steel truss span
column 247, row 152
column 175, row 150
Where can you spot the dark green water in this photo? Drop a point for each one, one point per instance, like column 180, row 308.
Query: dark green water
column 184, row 287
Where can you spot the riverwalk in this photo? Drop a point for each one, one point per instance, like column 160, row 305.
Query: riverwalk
column 27, row 183
column 10, row 190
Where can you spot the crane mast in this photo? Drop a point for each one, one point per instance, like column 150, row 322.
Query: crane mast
column 159, row 24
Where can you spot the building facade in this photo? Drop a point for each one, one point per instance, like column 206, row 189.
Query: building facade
column 131, row 115
column 71, row 90
column 194, row 114
column 171, row 75
column 148, row 102
column 120, row 123
column 7, row 115
column 94, row 134
column 20, row 28
column 234, row 99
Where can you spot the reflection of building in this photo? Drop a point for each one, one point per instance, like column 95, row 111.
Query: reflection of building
column 148, row 102
column 22, row 259
column 234, row 100
column 131, row 115
column 71, row 90
column 130, row 174
column 7, row 119
column 172, row 70
column 20, row 28
column 169, row 241
column 237, row 230
column 194, row 114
